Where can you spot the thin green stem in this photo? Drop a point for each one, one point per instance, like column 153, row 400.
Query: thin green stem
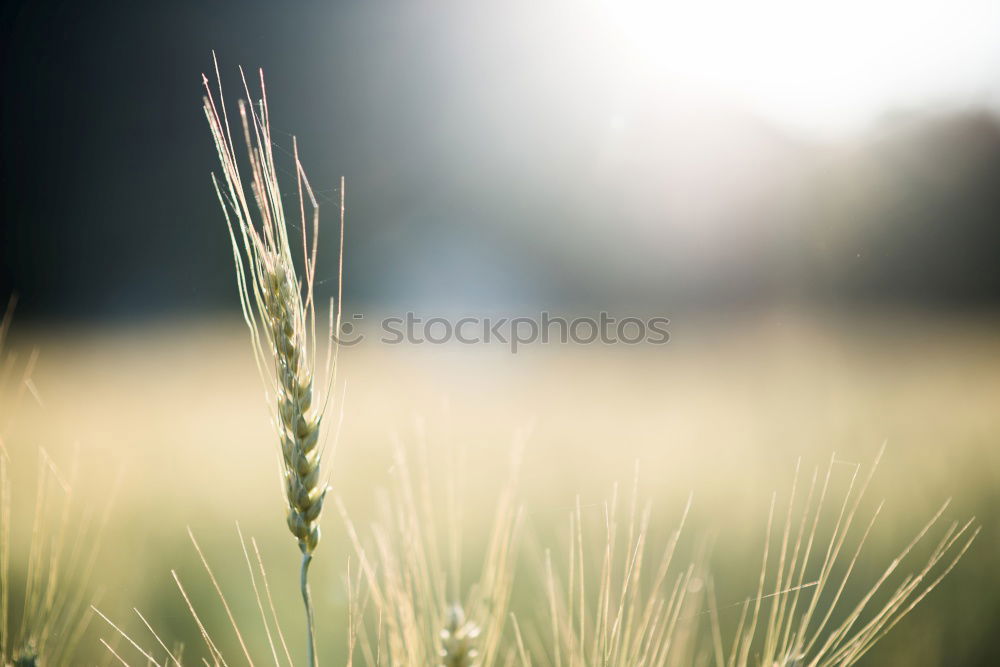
column 307, row 600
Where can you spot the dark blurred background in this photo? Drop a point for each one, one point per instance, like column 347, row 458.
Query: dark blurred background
column 514, row 153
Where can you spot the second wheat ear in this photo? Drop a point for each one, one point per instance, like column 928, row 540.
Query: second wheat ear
column 279, row 310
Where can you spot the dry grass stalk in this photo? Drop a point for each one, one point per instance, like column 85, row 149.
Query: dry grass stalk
column 280, row 312
column 798, row 615
column 409, row 584
column 618, row 614
column 162, row 656
column 808, row 621
column 62, row 552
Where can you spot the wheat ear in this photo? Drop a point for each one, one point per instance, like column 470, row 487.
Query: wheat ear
column 458, row 640
column 279, row 310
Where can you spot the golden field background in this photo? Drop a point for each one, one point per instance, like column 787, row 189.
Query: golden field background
column 722, row 412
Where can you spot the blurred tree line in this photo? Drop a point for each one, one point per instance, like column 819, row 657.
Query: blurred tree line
column 473, row 180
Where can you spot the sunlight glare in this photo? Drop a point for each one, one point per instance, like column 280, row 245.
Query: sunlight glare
column 820, row 65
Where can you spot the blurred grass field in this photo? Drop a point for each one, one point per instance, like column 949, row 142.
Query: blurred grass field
column 722, row 412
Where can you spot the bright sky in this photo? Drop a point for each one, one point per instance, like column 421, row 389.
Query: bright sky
column 821, row 65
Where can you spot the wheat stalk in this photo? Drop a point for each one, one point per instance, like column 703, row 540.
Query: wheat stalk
column 280, row 312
